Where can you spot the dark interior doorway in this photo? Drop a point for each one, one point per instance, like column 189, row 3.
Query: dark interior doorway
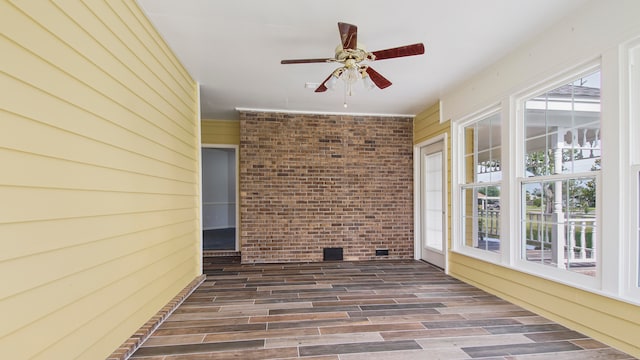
column 219, row 198
column 219, row 239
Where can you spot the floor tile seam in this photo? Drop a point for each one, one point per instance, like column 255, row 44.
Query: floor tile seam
column 319, row 336
column 217, row 332
column 346, row 316
column 222, row 317
column 196, row 352
column 318, row 327
column 205, row 335
column 370, row 324
column 190, row 343
column 399, row 332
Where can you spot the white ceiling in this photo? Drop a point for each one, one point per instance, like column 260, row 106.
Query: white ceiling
column 233, row 48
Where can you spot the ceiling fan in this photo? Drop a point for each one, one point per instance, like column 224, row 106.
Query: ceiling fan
column 351, row 54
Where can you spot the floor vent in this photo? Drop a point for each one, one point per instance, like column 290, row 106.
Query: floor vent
column 332, row 254
column 382, row 252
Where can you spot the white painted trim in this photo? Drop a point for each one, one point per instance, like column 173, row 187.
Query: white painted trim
column 287, row 111
column 199, row 179
column 417, row 193
column 630, row 93
column 508, row 192
column 237, row 150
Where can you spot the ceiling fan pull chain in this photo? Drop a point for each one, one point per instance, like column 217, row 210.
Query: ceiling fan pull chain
column 345, row 96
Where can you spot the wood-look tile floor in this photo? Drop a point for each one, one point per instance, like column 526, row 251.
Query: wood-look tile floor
column 356, row 311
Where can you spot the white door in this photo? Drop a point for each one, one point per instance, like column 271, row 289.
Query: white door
column 432, row 204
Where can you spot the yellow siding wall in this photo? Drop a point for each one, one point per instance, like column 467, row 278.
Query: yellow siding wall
column 220, row 132
column 614, row 322
column 426, row 125
column 98, row 188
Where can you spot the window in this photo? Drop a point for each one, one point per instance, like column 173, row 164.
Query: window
column 480, row 191
column 559, row 177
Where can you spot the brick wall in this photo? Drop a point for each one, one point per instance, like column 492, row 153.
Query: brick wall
column 313, row 181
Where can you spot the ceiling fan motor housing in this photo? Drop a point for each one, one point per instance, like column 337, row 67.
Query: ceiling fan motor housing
column 359, row 54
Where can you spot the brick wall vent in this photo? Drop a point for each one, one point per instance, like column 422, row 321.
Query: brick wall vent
column 382, row 252
column 332, row 254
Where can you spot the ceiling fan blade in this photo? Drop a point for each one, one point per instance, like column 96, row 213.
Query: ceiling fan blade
column 323, row 87
column 408, row 50
column 348, row 35
column 306, row 61
column 380, row 81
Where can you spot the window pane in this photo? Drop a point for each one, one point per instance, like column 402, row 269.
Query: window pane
column 559, row 225
column 469, row 213
column 483, row 150
column 481, row 217
column 481, row 193
column 562, row 129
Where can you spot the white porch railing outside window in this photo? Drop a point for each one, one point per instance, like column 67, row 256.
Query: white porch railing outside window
column 581, row 241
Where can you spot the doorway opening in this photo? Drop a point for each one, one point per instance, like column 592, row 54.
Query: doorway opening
column 220, row 198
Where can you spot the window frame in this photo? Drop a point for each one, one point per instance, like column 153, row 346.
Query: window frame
column 632, row 288
column 618, row 214
column 519, row 263
column 459, row 184
column 630, row 95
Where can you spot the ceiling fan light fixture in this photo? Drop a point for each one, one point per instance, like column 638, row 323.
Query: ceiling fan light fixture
column 366, row 80
column 350, row 54
column 350, row 78
column 331, row 83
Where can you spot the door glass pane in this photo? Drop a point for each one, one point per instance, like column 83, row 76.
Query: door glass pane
column 433, row 201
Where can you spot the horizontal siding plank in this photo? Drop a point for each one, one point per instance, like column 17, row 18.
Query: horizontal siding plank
column 36, row 204
column 152, row 47
column 221, row 139
column 426, row 125
column 43, row 171
column 220, row 132
column 39, row 278
column 26, row 238
column 433, row 110
column 73, row 78
column 123, row 292
column 17, row 99
column 429, row 135
column 116, row 56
